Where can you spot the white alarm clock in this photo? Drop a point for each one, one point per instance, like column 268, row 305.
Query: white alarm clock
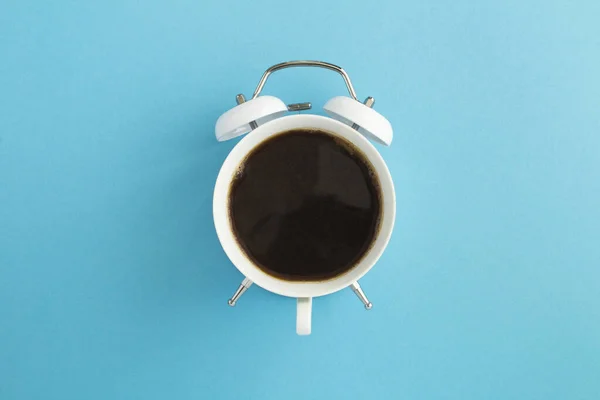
column 263, row 117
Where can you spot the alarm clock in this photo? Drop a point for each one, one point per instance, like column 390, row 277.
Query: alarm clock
column 262, row 118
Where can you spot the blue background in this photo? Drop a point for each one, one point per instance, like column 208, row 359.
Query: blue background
column 112, row 281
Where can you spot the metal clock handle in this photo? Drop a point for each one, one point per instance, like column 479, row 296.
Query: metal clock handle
column 305, row 63
column 369, row 101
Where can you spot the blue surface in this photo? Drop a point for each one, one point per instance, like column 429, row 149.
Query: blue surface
column 113, row 284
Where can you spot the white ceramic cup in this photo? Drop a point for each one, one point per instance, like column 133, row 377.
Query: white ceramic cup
column 303, row 291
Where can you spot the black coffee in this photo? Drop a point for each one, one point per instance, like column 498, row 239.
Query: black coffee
column 305, row 205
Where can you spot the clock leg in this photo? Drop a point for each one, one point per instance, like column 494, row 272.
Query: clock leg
column 246, row 283
column 361, row 295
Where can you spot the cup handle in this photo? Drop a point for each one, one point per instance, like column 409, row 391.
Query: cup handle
column 303, row 315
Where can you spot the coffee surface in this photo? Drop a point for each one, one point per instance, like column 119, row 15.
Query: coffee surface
column 305, row 206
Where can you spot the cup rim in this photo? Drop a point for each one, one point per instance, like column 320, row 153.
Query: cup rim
column 222, row 219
